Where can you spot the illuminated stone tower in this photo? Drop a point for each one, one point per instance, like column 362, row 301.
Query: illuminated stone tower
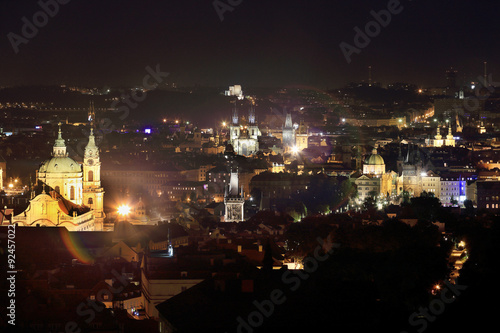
column 288, row 133
column 234, row 200
column 93, row 193
column 302, row 137
column 450, row 141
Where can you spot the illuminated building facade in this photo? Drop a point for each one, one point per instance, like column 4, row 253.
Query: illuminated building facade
column 75, row 198
column 244, row 134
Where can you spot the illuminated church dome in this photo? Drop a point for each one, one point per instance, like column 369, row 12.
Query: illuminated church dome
column 60, row 162
column 60, row 165
column 375, row 159
column 374, row 165
column 62, row 173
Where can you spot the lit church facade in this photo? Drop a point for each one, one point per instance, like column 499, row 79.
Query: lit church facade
column 243, row 134
column 75, row 196
column 439, row 141
column 410, row 178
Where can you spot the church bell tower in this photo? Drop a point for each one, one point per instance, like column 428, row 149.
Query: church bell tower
column 93, row 193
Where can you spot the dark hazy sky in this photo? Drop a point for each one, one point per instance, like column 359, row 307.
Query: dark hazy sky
column 259, row 43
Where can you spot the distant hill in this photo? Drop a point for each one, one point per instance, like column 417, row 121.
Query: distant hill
column 205, row 107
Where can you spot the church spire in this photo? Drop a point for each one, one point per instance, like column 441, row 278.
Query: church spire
column 59, row 149
column 235, row 116
column 91, row 149
column 288, row 121
column 400, row 153
column 91, row 143
column 438, row 135
column 251, row 115
column 91, row 115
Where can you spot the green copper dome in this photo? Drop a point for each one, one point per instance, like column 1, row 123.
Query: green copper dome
column 375, row 159
column 60, row 165
column 60, row 162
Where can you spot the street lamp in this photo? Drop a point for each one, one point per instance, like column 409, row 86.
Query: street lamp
column 124, row 210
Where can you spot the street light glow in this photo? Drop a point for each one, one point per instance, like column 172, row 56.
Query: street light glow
column 124, row 210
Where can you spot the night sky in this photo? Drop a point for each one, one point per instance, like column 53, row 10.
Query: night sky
column 260, row 43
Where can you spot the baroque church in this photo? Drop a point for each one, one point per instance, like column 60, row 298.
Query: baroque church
column 439, row 141
column 413, row 176
column 72, row 195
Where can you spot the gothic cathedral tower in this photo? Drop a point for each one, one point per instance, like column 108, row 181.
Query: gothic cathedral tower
column 93, row 193
column 234, row 200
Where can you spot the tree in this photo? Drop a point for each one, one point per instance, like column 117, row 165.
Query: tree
column 425, row 207
column 469, row 207
column 406, row 197
column 370, row 201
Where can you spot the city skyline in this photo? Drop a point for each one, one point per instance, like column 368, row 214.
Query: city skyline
column 256, row 43
column 249, row 166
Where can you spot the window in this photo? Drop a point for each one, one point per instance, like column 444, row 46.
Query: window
column 91, row 176
column 72, row 193
column 90, row 201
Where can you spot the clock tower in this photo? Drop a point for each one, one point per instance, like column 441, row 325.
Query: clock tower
column 93, row 193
